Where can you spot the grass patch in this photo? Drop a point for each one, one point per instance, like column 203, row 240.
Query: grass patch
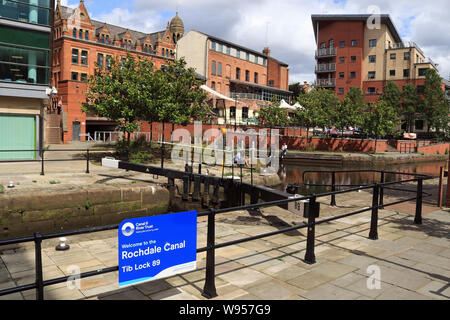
column 54, row 182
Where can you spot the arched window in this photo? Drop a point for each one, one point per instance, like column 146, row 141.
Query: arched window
column 213, row 68
column 162, row 50
column 74, row 32
column 86, row 35
column 81, row 34
column 107, row 39
column 129, row 44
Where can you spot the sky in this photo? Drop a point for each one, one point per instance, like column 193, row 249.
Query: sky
column 284, row 25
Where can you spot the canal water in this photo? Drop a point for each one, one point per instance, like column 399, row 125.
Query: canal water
column 295, row 174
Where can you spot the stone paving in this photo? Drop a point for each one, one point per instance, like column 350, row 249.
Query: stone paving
column 413, row 260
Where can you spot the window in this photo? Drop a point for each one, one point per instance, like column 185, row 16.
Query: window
column 264, row 62
column 256, row 59
column 162, row 52
column 233, row 112
column 238, row 53
column 354, row 42
column 341, row 75
column 247, row 75
column 102, row 38
column 341, row 90
column 420, row 89
column 406, row 73
column 228, row 50
column 74, row 32
column 422, row 72
column 244, row 113
column 247, row 56
column 372, row 59
column 129, row 44
column 392, row 73
column 36, row 12
column 107, row 39
column 256, row 77
column 271, row 83
column 100, row 60
column 219, row 69
column 342, row 44
column 75, row 56
column 353, row 74
column 371, row 90
column 393, row 56
column 342, row 59
column 74, row 76
column 108, row 61
column 331, row 43
column 86, row 35
column 213, row 45
column 323, row 45
column 373, row 43
column 213, row 68
column 353, row 59
column 213, row 85
column 407, row 55
column 83, row 77
column 238, row 74
column 220, row 49
column 81, row 34
column 371, row 75
column 84, row 57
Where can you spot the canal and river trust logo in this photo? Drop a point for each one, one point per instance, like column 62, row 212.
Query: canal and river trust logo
column 128, row 229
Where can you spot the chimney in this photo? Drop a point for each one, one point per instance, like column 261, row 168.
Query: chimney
column 266, row 51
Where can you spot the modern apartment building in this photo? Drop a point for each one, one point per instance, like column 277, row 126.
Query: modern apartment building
column 239, row 80
column 81, row 44
column 354, row 53
column 25, row 69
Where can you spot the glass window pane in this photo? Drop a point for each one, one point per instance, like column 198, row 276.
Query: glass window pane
column 24, row 37
column 24, row 12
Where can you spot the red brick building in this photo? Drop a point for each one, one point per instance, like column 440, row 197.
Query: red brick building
column 80, row 44
column 240, row 80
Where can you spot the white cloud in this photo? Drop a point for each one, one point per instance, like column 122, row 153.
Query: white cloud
column 290, row 34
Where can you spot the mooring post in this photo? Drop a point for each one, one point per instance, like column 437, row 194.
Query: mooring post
column 310, row 257
column 373, row 234
column 333, row 189
column 38, row 262
column 418, row 217
column 209, row 290
column 87, row 161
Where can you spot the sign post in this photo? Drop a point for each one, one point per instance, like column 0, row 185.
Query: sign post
column 157, row 247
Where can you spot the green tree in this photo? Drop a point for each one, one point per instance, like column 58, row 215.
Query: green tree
column 319, row 105
column 410, row 105
column 435, row 105
column 272, row 115
column 120, row 92
column 381, row 120
column 350, row 111
column 392, row 95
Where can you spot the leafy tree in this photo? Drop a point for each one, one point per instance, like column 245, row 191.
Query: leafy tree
column 120, row 92
column 410, row 105
column 381, row 120
column 318, row 107
column 435, row 105
column 392, row 95
column 272, row 115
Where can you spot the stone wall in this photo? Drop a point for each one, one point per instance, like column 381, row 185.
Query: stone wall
column 64, row 210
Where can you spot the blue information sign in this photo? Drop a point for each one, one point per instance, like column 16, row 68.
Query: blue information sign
column 157, row 247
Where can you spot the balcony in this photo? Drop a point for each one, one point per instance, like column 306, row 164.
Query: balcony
column 326, row 83
column 326, row 53
column 325, row 67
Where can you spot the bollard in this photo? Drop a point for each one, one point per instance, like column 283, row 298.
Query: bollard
column 39, row 276
column 418, row 217
column 87, row 161
column 310, row 257
column 209, row 290
column 373, row 234
column 42, row 162
column 381, row 203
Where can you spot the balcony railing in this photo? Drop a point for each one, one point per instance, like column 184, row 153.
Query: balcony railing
column 326, row 67
column 326, row 83
column 326, row 52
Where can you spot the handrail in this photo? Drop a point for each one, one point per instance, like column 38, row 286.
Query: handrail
column 209, row 290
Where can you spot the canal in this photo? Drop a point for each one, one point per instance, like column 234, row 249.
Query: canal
column 293, row 174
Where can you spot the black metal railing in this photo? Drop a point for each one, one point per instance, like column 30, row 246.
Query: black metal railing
column 41, row 156
column 209, row 290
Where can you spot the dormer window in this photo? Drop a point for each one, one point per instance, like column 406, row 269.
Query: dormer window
column 107, row 39
column 102, row 38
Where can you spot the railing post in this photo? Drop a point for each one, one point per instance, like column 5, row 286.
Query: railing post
column 310, row 257
column 373, row 235
column 333, row 189
column 209, row 290
column 42, row 162
column 38, row 261
column 441, row 178
column 381, row 203
column 87, row 161
column 418, row 217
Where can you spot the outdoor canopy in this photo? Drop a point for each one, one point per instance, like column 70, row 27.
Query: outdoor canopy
column 217, row 94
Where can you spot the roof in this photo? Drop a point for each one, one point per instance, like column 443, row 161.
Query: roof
column 231, row 44
column 385, row 18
